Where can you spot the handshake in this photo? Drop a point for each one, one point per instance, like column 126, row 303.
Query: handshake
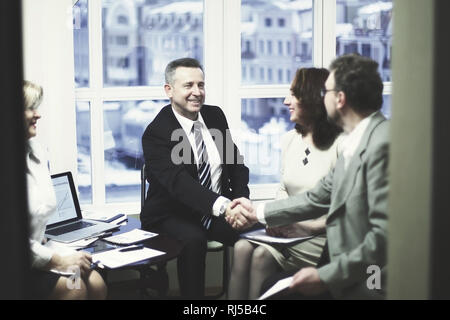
column 241, row 214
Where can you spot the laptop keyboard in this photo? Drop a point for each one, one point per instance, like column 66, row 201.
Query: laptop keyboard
column 69, row 228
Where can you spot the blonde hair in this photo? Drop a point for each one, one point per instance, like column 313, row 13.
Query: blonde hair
column 32, row 95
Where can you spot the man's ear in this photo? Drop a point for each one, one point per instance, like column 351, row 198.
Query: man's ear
column 168, row 90
column 341, row 100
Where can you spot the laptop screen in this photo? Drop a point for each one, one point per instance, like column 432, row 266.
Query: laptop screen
column 65, row 206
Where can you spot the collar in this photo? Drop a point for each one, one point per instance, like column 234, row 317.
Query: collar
column 186, row 123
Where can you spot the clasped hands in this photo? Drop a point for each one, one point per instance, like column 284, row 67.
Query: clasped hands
column 241, row 214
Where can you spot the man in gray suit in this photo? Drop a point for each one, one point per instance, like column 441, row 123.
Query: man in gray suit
column 354, row 193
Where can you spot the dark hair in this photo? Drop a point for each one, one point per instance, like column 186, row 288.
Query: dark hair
column 306, row 87
column 182, row 62
column 359, row 79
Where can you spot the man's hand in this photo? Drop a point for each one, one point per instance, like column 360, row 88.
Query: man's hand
column 307, row 282
column 240, row 214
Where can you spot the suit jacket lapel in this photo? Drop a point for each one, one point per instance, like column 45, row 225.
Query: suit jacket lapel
column 344, row 180
column 173, row 124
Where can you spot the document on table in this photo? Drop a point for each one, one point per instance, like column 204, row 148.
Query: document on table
column 105, row 216
column 117, row 258
column 130, row 237
column 277, row 287
column 261, row 235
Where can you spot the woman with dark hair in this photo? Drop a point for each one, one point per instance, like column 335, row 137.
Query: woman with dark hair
column 308, row 153
column 47, row 267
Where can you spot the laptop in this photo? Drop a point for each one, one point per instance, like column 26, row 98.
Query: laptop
column 67, row 224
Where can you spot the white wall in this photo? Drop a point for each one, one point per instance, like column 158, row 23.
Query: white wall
column 48, row 61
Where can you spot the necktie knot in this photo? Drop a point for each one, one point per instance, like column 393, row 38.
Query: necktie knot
column 197, row 126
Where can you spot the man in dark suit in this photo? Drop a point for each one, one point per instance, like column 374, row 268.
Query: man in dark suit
column 194, row 169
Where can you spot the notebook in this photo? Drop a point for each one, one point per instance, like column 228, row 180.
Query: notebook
column 67, row 224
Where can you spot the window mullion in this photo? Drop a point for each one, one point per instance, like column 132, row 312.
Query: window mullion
column 328, row 42
column 232, row 61
column 264, row 91
column 213, row 31
column 96, row 81
column 318, row 33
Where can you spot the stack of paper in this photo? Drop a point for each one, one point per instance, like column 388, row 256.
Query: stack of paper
column 261, row 235
column 107, row 217
column 277, row 287
column 117, row 258
column 130, row 237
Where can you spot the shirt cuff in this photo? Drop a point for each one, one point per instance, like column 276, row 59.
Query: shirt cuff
column 218, row 204
column 40, row 255
column 260, row 213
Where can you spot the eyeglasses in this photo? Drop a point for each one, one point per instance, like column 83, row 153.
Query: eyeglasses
column 324, row 91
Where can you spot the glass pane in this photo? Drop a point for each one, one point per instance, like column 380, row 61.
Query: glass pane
column 365, row 26
column 276, row 39
column 81, row 43
column 264, row 121
column 84, row 151
column 141, row 37
column 124, row 124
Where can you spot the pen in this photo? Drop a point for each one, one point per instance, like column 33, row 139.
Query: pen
column 106, row 234
column 100, row 235
column 94, row 264
column 138, row 247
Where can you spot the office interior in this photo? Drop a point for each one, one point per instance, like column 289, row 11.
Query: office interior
column 37, row 44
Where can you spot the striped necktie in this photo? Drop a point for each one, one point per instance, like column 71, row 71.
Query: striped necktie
column 204, row 169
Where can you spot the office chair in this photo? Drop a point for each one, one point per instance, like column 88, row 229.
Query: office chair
column 213, row 246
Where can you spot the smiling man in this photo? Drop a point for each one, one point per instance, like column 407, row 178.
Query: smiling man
column 191, row 187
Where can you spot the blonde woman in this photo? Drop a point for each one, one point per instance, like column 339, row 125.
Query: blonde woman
column 46, row 284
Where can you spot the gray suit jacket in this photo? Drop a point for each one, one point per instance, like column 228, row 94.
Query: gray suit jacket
column 356, row 202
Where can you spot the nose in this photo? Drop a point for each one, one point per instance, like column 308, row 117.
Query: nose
column 287, row 101
column 36, row 114
column 196, row 90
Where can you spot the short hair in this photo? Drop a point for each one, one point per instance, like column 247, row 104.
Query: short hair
column 182, row 62
column 359, row 79
column 306, row 87
column 32, row 95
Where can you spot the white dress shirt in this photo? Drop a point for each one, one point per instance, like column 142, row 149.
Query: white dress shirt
column 213, row 155
column 351, row 141
column 41, row 203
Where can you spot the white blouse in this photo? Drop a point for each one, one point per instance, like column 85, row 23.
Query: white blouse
column 303, row 165
column 41, row 203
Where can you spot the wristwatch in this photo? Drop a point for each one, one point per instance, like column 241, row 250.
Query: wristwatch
column 223, row 208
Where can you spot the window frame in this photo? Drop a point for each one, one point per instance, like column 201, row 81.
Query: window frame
column 222, row 48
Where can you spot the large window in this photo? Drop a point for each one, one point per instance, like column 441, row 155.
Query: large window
column 250, row 51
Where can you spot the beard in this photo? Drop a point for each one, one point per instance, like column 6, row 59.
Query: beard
column 335, row 119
